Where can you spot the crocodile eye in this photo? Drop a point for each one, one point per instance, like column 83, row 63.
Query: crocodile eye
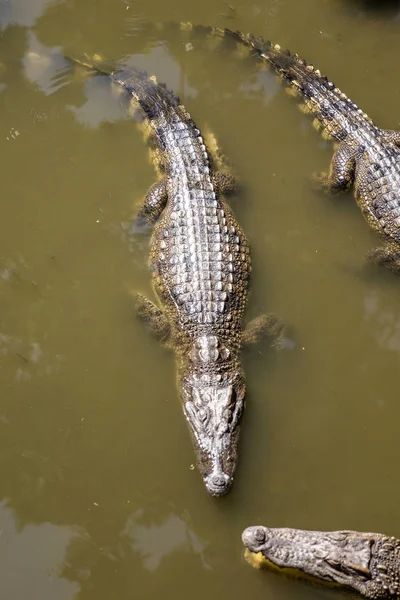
column 223, row 427
column 227, row 414
column 259, row 535
column 202, row 414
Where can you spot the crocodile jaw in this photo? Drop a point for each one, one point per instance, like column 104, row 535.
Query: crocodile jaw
column 341, row 557
column 213, row 414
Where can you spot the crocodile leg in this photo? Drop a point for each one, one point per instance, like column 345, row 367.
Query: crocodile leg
column 153, row 203
column 390, row 135
column 268, row 325
column 223, row 180
column 152, row 316
column 341, row 174
column 220, row 161
column 224, row 183
column 386, row 256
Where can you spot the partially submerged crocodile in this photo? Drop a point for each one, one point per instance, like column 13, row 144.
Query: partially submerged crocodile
column 200, row 263
column 366, row 156
column 367, row 562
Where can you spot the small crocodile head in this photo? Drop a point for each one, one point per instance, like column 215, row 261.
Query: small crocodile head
column 349, row 558
column 213, row 390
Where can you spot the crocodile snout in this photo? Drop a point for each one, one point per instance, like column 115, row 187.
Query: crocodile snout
column 218, row 485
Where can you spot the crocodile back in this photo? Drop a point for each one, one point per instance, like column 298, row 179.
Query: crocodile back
column 200, row 256
column 377, row 185
column 201, row 263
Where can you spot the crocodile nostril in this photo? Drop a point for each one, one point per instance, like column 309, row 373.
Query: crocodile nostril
column 218, row 484
column 218, row 481
column 259, row 535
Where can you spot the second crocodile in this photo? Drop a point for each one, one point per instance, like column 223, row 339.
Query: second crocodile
column 200, row 263
column 366, row 156
column 367, row 562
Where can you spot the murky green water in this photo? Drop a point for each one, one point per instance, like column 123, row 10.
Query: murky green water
column 98, row 500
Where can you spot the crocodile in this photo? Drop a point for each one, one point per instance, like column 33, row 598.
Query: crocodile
column 366, row 156
column 200, row 265
column 366, row 562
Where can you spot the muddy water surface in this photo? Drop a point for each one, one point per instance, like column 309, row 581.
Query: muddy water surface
column 97, row 496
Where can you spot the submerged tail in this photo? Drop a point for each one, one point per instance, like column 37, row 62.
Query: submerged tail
column 153, row 97
column 334, row 111
column 164, row 114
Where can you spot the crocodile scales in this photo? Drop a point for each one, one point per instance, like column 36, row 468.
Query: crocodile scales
column 200, row 264
column 366, row 562
column 366, row 156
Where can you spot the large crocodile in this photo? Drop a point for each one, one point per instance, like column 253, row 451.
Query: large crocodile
column 366, row 156
column 367, row 562
column 200, row 263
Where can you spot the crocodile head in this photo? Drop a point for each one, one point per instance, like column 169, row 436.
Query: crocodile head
column 350, row 558
column 213, row 390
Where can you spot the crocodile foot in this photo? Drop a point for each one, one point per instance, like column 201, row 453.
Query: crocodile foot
column 268, row 325
column 386, row 256
column 225, row 183
column 321, row 182
column 152, row 317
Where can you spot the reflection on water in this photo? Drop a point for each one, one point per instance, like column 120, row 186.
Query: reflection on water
column 32, row 557
column 21, row 12
column 98, row 499
column 28, row 358
column 98, row 107
column 263, row 82
column 154, row 542
column 386, row 321
column 42, row 65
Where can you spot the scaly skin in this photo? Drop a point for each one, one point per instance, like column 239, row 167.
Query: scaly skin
column 367, row 562
column 366, row 156
column 200, row 263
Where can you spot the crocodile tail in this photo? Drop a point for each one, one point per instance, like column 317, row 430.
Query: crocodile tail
column 329, row 106
column 152, row 97
column 320, row 95
column 155, row 100
column 185, row 33
column 292, row 68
